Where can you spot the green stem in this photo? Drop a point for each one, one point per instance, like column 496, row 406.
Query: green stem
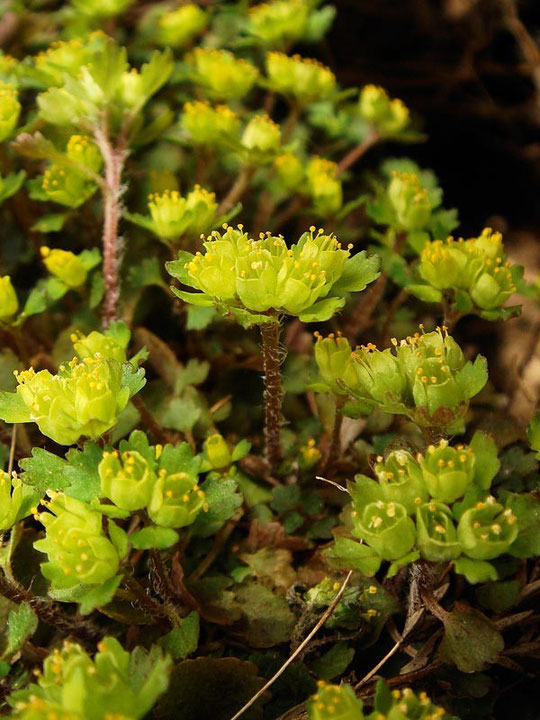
column 273, row 392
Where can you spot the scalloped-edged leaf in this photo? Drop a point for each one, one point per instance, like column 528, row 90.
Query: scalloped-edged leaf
column 472, row 377
column 426, row 293
column 13, row 408
column 193, row 298
column 322, row 310
column 360, row 270
column 154, row 537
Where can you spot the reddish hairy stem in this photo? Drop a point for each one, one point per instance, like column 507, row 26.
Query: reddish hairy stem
column 114, row 157
column 273, row 392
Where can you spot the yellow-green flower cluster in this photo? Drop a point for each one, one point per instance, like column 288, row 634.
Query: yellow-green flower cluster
column 261, row 139
column 324, row 186
column 79, row 552
column 339, row 702
column 436, row 506
column 9, row 304
column 267, row 276
column 101, row 8
column 83, row 399
column 69, row 182
column 290, row 171
column 10, row 110
column 278, row 22
column 388, row 117
column 115, row 685
column 60, row 57
column 178, row 27
column 173, row 216
column 477, row 267
column 425, row 377
column 221, row 74
column 410, row 200
column 210, row 125
column 16, row 500
column 303, row 79
column 65, row 265
column 333, row 356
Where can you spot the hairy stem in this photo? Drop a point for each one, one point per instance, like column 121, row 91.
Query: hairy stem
column 114, row 157
column 50, row 613
column 273, row 392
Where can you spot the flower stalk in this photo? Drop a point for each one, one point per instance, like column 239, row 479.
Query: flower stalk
column 114, row 157
column 273, row 392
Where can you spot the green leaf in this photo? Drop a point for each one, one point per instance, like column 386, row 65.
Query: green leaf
column 246, row 318
column 146, row 274
column 132, row 379
column 194, row 298
column 472, row 377
column 199, row 318
column 526, row 507
column 471, row 641
column 223, row 501
column 194, row 373
column 10, row 184
column 177, row 268
column 322, row 310
column 334, row 662
column 463, row 302
column 426, row 293
column 347, row 554
column 179, row 413
column 475, row 571
column 360, row 270
column 77, row 475
column 13, row 408
column 285, row 497
column 35, row 147
column 184, row 640
column 487, row 463
column 22, row 623
column 99, row 595
column 53, row 222
column 499, row 596
column 154, row 537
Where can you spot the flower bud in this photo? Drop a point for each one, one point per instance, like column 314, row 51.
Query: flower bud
column 10, row 109
column 176, row 499
column 386, row 528
column 209, row 125
column 74, row 686
column 290, row 171
column 84, row 151
column 400, row 479
column 126, row 479
column 174, row 216
column 443, row 265
column 278, row 22
column 212, row 272
column 78, row 551
column 66, row 185
column 379, row 376
column 9, row 304
column 224, row 76
column 179, row 27
column 323, row 186
column 309, row 455
column 448, row 471
column 436, row 533
column 487, row 530
column 261, row 138
column 216, row 452
column 410, row 201
column 102, row 8
column 97, row 344
column 16, row 500
column 333, row 358
column 304, row 79
column 60, row 58
column 334, row 702
column 65, row 265
column 389, row 117
column 84, row 399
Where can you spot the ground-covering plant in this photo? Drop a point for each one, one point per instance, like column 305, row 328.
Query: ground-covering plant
column 212, row 497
